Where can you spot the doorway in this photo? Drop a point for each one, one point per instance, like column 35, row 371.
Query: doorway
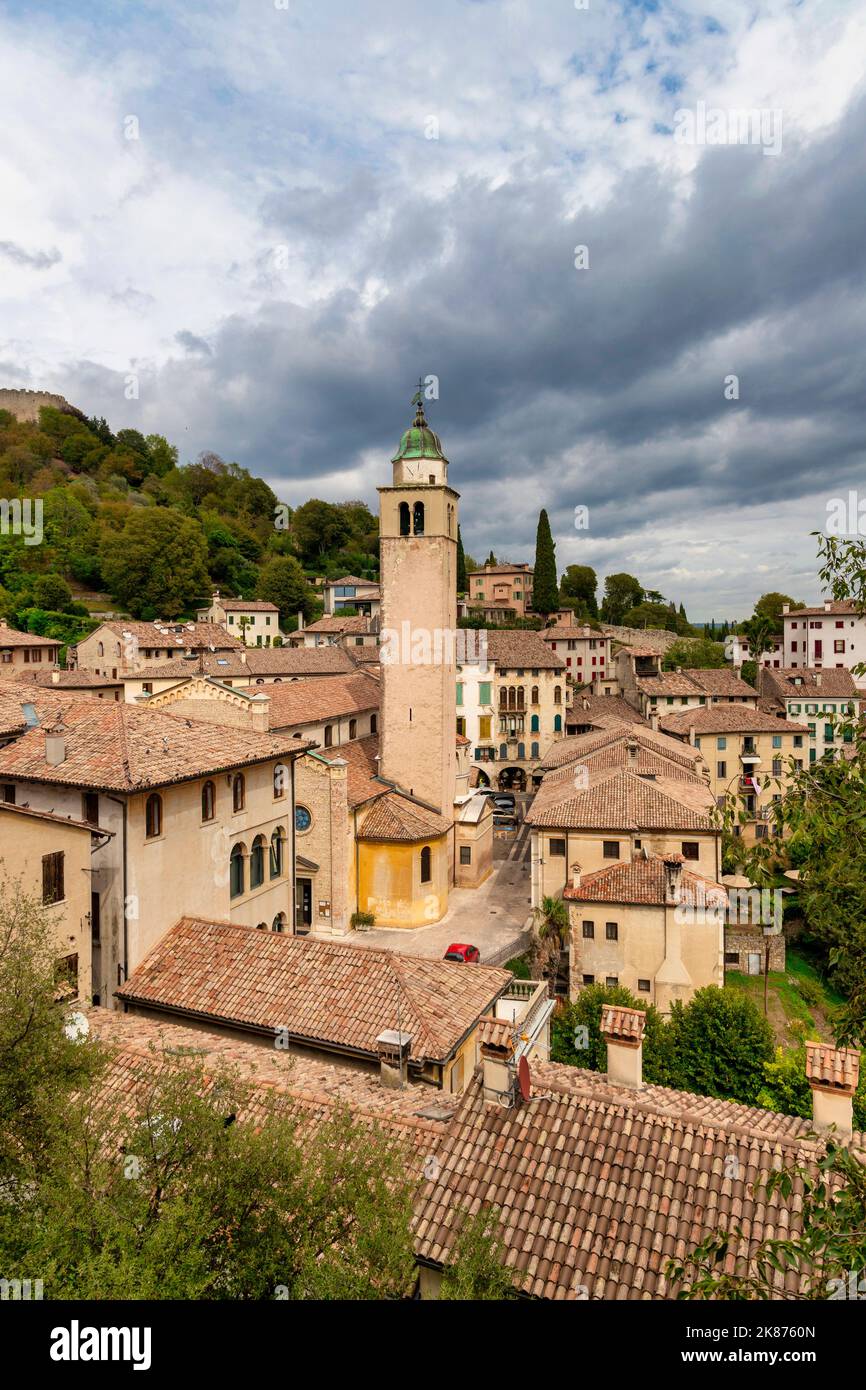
column 303, row 905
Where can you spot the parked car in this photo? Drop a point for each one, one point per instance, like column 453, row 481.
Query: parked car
column 505, row 818
column 485, row 791
column 503, row 801
column 462, row 951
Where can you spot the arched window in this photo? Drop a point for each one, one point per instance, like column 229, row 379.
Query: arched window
column 153, row 816
column 100, row 649
column 533, row 698
column 521, row 697
column 353, row 728
column 418, row 518
column 257, row 862
column 239, row 792
column 533, row 724
column 279, row 922
column 280, row 779
column 236, row 871
column 426, row 872
column 557, row 694
column 534, row 751
column 503, row 750
column 208, row 801
column 277, row 842
column 374, row 724
column 503, row 697
column 512, row 697
column 557, row 723
column 521, row 750
column 404, row 518
column 261, row 926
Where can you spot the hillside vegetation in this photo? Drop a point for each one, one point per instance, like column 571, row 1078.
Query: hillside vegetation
column 123, row 518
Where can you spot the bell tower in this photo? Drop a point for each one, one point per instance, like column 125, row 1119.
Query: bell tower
column 418, row 561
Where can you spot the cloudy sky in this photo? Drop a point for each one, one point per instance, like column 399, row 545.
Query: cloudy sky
column 273, row 215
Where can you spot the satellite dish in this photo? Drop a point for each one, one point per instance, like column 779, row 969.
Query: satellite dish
column 523, row 1078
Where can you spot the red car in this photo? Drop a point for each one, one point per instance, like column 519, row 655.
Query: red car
column 459, row 950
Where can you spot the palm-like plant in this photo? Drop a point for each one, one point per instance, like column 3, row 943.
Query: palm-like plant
column 550, row 921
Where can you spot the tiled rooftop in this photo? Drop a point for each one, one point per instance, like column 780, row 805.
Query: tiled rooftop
column 316, row 698
column 396, row 817
column 621, row 800
column 643, row 881
column 11, row 637
column 725, row 718
column 325, row 992
column 127, row 748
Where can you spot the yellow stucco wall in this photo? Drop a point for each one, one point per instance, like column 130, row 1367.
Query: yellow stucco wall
column 389, row 882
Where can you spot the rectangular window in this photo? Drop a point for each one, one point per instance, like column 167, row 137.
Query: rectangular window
column 732, row 957
column 839, row 646
column 460, row 692
column 9, row 793
column 610, row 849
column 329, row 736
column 721, row 744
column 90, row 808
column 461, row 725
column 52, row 878
column 612, row 981
column 777, row 740
column 644, row 986
column 589, row 979
column 589, row 931
column 557, row 849
column 66, row 976
column 721, row 769
column 760, row 831
column 777, row 767
column 465, row 854
column 611, row 931
column 691, row 849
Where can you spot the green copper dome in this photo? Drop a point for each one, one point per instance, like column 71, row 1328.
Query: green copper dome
column 419, row 441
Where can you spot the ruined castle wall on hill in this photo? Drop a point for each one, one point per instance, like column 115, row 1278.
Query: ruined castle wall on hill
column 26, row 405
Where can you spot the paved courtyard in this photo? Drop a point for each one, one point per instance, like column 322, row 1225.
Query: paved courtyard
column 494, row 917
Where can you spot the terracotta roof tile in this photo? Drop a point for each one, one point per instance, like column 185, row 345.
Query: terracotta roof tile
column 643, row 881
column 11, row 637
column 336, row 622
column 621, row 1023
column 126, row 748
column 707, row 719
column 396, row 817
column 832, row 1068
column 597, row 1186
column 521, row 649
column 324, row 992
column 621, row 800
column 801, row 683
column 316, row 698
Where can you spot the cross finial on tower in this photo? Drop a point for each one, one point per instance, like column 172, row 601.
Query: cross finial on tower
column 418, row 400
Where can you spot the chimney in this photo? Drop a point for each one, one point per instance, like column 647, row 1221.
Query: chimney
column 632, row 748
column 673, row 878
column 243, row 657
column 833, row 1074
column 575, row 875
column 828, row 606
column 786, row 607
column 692, row 735
column 260, row 713
column 654, row 721
column 393, row 1049
column 496, row 1048
column 623, row 1030
column 818, row 679
column 55, row 744
column 55, row 677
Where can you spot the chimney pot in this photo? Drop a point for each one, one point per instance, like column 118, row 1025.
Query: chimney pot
column 55, row 677
column 692, row 735
column 833, row 1074
column 673, row 878
column 827, row 605
column 575, row 875
column 623, row 1031
column 818, row 679
column 786, row 607
column 55, row 745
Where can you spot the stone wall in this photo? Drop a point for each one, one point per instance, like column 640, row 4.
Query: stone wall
column 26, row 405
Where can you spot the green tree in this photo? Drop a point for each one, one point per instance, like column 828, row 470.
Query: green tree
column 477, row 1271
column 156, row 563
column 718, row 1043
column 770, row 606
column 576, row 1033
column 282, row 581
column 462, row 578
column 621, row 592
column 50, row 591
column 581, row 582
column 545, row 591
column 318, row 528
column 694, row 654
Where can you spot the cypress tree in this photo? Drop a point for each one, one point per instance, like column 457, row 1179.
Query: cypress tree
column 462, row 581
column 545, row 591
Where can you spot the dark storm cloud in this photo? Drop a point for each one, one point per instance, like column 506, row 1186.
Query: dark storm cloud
column 760, row 273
